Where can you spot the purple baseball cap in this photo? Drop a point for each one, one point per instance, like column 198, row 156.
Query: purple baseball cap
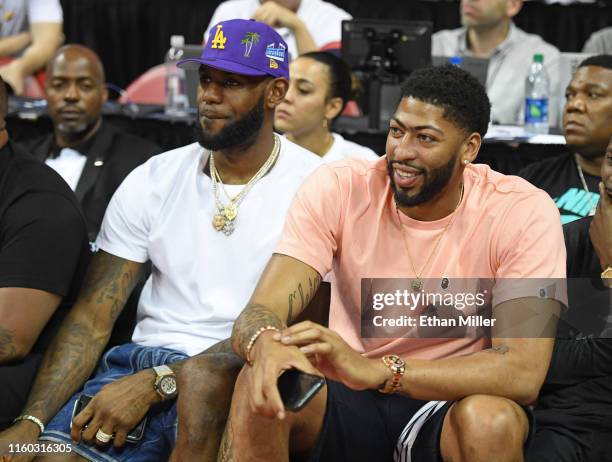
column 244, row 46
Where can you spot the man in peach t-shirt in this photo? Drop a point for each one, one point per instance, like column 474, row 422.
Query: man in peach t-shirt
column 422, row 212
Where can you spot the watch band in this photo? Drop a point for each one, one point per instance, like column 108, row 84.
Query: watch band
column 397, row 366
column 162, row 370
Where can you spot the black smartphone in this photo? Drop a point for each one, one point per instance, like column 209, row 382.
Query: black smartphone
column 134, row 436
column 297, row 388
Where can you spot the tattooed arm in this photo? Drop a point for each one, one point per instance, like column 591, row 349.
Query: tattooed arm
column 285, row 288
column 77, row 346
column 23, row 314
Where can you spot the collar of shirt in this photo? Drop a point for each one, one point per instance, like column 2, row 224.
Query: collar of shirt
column 82, row 148
column 462, row 41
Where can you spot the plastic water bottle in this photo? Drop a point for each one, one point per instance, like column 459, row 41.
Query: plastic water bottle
column 537, row 97
column 177, row 103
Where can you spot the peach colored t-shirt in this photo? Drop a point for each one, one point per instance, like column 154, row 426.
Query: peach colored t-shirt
column 343, row 218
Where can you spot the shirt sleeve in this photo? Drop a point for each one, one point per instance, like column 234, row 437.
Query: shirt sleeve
column 327, row 30
column 45, row 11
column 312, row 228
column 530, row 252
column 125, row 228
column 42, row 238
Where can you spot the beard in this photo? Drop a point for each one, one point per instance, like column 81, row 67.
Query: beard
column 433, row 182
column 242, row 132
column 76, row 132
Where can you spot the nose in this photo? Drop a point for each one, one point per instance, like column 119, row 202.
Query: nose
column 210, row 93
column 575, row 103
column 289, row 95
column 72, row 92
column 404, row 149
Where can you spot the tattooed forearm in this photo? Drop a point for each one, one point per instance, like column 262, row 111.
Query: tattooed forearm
column 252, row 318
column 299, row 301
column 76, row 348
column 70, row 359
column 110, row 280
column 8, row 352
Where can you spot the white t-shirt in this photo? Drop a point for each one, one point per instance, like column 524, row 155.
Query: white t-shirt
column 17, row 15
column 322, row 19
column 201, row 279
column 344, row 148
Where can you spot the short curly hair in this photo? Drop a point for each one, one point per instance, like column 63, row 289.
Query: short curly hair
column 463, row 98
column 604, row 61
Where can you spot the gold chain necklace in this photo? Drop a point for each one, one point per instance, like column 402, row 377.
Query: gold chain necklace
column 223, row 219
column 417, row 284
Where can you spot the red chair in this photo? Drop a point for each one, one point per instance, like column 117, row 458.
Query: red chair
column 149, row 88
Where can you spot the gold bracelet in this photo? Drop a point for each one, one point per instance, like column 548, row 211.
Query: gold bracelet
column 254, row 337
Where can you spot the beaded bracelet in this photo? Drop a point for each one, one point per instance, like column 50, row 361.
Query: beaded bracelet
column 33, row 419
column 255, row 336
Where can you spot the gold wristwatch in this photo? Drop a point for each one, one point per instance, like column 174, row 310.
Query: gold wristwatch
column 397, row 366
column 165, row 382
column 606, row 277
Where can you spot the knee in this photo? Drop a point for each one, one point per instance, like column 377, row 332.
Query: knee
column 489, row 420
column 209, row 375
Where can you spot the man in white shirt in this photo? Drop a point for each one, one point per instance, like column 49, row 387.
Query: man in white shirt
column 488, row 32
column 305, row 25
column 207, row 216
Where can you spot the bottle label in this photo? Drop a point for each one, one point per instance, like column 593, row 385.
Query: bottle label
column 536, row 110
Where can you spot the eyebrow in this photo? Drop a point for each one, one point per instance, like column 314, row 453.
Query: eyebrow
column 589, row 86
column 418, row 127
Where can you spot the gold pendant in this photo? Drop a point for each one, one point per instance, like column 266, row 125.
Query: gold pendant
column 417, row 284
column 219, row 221
column 230, row 211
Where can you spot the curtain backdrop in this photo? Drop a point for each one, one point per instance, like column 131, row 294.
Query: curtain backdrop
column 133, row 35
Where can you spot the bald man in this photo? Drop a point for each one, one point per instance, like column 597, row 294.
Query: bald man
column 93, row 157
column 43, row 258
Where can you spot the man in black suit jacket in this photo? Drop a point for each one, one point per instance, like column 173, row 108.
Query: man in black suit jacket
column 92, row 156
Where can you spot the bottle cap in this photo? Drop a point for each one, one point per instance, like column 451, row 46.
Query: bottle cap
column 177, row 41
column 538, row 58
column 455, row 60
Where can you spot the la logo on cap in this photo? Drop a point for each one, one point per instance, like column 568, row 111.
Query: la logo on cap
column 219, row 39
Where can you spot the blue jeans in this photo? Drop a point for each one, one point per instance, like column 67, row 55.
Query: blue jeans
column 160, row 432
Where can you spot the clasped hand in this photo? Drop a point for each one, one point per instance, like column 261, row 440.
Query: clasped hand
column 313, row 349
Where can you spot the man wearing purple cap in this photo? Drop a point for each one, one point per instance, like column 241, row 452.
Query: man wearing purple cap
column 207, row 216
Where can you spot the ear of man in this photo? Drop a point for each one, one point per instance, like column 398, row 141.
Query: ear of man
column 513, row 7
column 275, row 92
column 470, row 147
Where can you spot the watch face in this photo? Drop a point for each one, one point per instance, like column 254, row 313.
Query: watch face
column 167, row 385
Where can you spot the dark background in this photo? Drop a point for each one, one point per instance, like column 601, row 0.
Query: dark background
column 133, row 35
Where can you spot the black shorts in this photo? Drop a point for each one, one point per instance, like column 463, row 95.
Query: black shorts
column 365, row 426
